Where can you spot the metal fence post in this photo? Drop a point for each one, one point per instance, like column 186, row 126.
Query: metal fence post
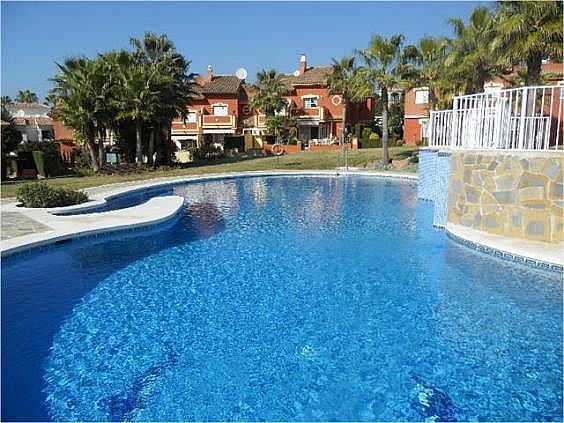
column 522, row 119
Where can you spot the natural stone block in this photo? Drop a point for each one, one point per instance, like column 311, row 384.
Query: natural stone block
column 505, row 197
column 493, row 165
column 493, row 223
column 472, row 194
column 529, row 179
column 536, row 204
column 524, row 164
column 456, row 186
column 505, row 182
column 552, row 168
column 557, row 226
column 469, row 159
column 487, row 198
column 531, row 193
column 467, row 174
column 556, row 190
column 537, row 225
column 537, row 164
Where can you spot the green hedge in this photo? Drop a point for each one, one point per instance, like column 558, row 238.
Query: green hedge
column 44, row 195
column 52, row 161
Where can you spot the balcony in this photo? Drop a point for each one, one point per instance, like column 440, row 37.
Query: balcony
column 317, row 113
column 213, row 121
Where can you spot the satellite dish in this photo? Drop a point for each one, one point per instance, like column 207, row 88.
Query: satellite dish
column 241, row 73
column 296, row 73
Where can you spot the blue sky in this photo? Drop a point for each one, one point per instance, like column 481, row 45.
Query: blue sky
column 229, row 35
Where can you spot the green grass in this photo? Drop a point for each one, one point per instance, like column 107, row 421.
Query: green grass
column 306, row 160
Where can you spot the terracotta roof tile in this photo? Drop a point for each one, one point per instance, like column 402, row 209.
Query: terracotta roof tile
column 222, row 84
column 26, row 121
column 312, row 76
column 16, row 106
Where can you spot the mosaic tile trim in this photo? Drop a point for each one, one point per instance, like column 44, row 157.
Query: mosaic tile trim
column 504, row 255
column 440, row 190
column 427, row 171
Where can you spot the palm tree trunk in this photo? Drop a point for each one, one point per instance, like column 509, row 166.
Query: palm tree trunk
column 92, row 150
column 534, row 64
column 138, row 146
column 151, row 147
column 345, row 104
column 385, row 134
column 101, row 154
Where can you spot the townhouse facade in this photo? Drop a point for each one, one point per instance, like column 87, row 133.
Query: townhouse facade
column 417, row 109
column 222, row 107
column 32, row 120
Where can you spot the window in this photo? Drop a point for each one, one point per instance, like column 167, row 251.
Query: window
column 46, row 134
column 190, row 117
column 310, row 102
column 421, row 96
column 220, row 110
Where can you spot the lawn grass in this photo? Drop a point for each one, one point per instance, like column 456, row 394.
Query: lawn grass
column 306, row 160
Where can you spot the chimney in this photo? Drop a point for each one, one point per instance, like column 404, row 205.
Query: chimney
column 303, row 64
column 210, row 73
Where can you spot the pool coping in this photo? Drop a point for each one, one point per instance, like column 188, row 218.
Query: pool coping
column 65, row 226
column 544, row 255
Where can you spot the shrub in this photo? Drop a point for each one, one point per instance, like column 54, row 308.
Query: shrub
column 233, row 142
column 44, row 195
column 53, row 163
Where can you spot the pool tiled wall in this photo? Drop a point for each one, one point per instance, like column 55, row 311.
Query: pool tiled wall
column 434, row 168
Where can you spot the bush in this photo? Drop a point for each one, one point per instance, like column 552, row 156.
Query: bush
column 238, row 142
column 51, row 155
column 44, row 195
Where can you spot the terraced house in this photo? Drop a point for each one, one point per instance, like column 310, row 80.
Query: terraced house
column 222, row 107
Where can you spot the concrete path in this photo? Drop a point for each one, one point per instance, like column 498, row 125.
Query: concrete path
column 16, row 224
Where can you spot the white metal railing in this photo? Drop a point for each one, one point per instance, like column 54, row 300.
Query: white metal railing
column 528, row 118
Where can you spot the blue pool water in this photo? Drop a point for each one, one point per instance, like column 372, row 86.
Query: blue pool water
column 281, row 298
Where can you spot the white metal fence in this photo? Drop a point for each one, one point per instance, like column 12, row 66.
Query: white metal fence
column 528, row 118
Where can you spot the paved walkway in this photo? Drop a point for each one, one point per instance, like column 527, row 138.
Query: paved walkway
column 15, row 224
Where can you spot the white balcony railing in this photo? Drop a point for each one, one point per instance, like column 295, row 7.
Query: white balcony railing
column 528, row 118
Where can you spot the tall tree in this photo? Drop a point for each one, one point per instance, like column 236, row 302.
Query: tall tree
column 471, row 58
column 167, row 77
column 76, row 90
column 347, row 81
column 430, row 54
column 529, row 31
column 5, row 99
column 26, row 96
column 387, row 66
column 268, row 92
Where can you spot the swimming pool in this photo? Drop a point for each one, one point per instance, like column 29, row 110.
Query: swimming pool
column 281, row 298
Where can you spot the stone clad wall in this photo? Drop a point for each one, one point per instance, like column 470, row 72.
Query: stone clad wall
column 518, row 194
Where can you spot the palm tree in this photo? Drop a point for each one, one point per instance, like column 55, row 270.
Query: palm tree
column 75, row 93
column 137, row 96
column 268, row 92
column 387, row 67
column 346, row 80
column 26, row 96
column 430, row 54
column 5, row 99
column 169, row 77
column 529, row 31
column 471, row 59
